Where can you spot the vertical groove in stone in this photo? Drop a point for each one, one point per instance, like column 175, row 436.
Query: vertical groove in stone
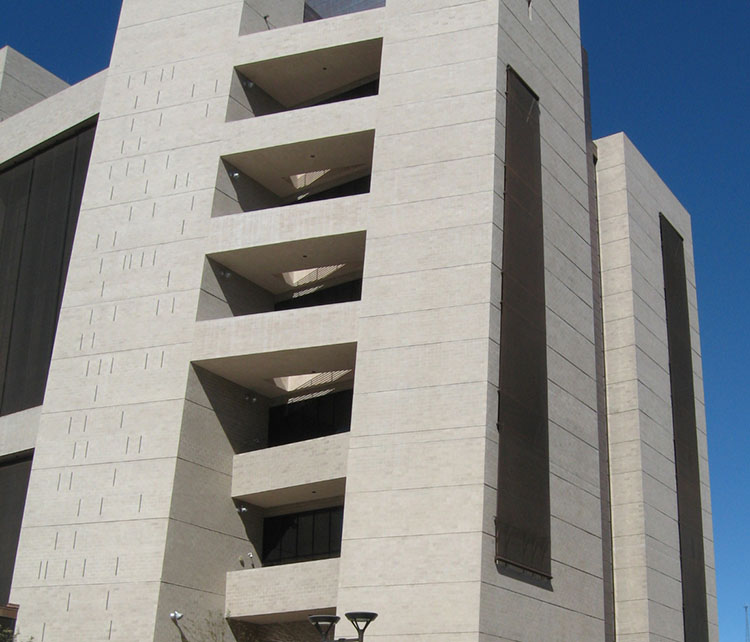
column 608, row 581
column 690, row 515
column 523, row 499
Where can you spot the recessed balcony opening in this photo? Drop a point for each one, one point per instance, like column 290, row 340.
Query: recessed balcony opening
column 320, row 9
column 311, row 170
column 323, row 76
column 283, row 276
column 280, row 398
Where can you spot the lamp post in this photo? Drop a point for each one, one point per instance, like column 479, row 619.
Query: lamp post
column 360, row 621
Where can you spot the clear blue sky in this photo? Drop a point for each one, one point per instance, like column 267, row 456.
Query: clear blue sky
column 675, row 76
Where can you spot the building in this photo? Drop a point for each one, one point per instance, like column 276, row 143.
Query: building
column 356, row 315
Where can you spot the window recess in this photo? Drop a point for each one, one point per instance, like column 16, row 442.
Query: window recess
column 311, row 170
column 318, row 77
column 284, row 276
column 277, row 398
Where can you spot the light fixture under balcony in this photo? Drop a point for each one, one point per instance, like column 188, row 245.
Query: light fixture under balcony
column 360, row 620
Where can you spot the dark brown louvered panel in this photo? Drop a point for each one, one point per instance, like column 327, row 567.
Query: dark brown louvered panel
column 694, row 607
column 523, row 503
column 15, row 184
column 14, row 482
column 39, row 202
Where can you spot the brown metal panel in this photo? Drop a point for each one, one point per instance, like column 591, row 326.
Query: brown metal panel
column 37, row 292
column 15, row 184
column 84, row 144
column 40, row 199
column 694, row 607
column 523, row 503
column 14, row 482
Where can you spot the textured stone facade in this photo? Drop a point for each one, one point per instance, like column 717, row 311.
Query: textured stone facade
column 242, row 155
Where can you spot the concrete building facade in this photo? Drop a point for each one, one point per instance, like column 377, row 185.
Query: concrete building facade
column 356, row 315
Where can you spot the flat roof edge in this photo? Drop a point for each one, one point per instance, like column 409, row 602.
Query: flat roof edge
column 51, row 117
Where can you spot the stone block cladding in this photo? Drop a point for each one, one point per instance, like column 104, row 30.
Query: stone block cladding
column 278, row 213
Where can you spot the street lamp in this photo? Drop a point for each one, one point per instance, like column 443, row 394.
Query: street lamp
column 360, row 620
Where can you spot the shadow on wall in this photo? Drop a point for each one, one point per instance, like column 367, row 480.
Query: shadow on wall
column 242, row 413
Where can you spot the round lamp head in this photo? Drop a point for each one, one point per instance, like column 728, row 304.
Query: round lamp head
column 323, row 623
column 361, row 619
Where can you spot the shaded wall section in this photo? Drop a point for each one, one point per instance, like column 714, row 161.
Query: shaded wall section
column 40, row 197
column 608, row 580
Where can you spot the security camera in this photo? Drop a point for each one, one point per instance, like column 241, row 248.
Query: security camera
column 175, row 615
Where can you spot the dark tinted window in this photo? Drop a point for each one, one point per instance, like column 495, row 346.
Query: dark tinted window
column 317, row 417
column 350, row 291
column 302, row 536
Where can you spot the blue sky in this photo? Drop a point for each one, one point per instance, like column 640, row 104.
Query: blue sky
column 674, row 75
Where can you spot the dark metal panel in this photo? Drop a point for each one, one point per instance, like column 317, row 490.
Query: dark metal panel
column 84, row 144
column 687, row 466
column 523, row 502
column 14, row 482
column 40, row 199
column 37, row 293
column 608, row 582
column 14, row 196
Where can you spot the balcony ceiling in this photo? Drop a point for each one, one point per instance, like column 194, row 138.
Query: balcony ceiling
column 275, row 167
column 301, row 78
column 263, row 265
column 257, row 371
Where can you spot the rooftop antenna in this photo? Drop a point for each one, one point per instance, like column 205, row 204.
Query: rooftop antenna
column 747, row 626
